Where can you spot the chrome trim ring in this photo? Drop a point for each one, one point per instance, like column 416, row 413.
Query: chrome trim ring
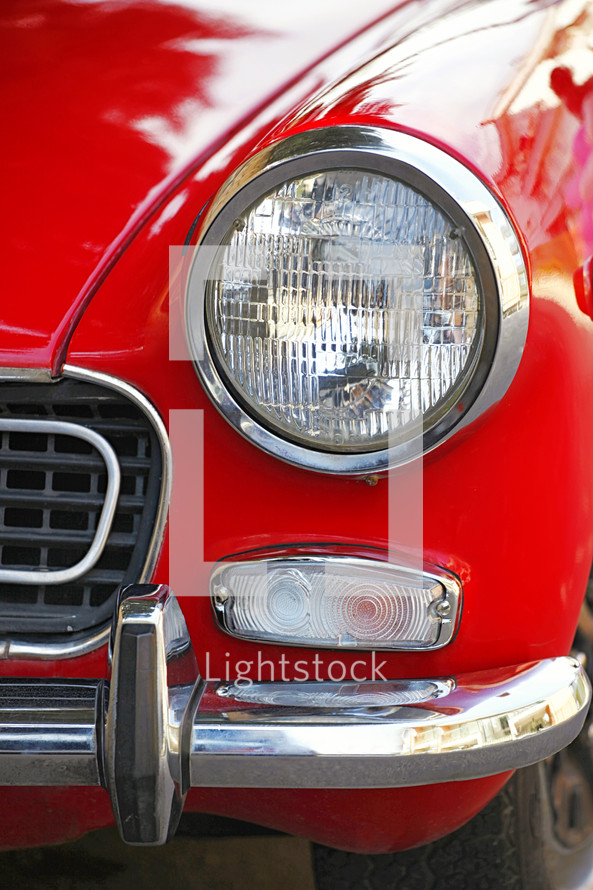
column 76, row 431
column 382, row 151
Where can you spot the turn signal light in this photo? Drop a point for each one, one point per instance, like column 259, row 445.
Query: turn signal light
column 336, row 602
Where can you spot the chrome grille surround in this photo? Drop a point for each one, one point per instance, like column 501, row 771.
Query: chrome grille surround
column 49, row 517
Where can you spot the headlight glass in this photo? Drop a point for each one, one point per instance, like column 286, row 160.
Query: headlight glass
column 344, row 310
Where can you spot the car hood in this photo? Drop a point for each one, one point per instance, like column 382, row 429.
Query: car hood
column 107, row 105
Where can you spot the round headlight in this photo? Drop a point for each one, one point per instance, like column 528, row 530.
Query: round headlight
column 347, row 311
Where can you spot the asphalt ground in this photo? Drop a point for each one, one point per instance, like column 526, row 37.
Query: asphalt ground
column 237, row 860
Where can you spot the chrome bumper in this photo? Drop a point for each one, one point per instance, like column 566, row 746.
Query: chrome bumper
column 156, row 729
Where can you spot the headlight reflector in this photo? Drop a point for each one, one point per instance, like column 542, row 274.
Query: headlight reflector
column 344, row 310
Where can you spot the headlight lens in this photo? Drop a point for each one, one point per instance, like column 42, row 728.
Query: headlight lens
column 352, row 293
column 344, row 310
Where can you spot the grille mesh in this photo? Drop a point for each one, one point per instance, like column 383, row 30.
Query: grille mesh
column 52, row 489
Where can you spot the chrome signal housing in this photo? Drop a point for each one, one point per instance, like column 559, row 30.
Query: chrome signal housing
column 338, row 602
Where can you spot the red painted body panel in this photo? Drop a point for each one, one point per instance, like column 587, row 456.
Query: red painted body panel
column 376, row 821
column 507, row 506
column 108, row 105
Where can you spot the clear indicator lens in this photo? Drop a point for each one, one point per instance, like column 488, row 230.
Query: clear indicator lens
column 334, row 602
column 345, row 311
column 337, row 696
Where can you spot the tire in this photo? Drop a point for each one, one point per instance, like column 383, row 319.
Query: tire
column 537, row 834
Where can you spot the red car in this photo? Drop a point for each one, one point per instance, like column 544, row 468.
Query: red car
column 296, row 487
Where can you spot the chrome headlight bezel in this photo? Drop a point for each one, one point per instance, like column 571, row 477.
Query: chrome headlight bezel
column 488, row 234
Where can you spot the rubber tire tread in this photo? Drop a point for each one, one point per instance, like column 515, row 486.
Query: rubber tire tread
column 499, row 849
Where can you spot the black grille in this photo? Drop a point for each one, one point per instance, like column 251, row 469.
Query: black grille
column 52, row 489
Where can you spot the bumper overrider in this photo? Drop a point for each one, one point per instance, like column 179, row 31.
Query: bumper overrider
column 156, row 728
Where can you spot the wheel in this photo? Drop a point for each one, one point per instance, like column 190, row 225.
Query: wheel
column 537, row 834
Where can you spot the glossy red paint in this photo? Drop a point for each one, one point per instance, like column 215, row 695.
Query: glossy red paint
column 109, row 105
column 509, row 506
column 377, row 821
column 383, row 817
column 482, row 476
column 36, row 816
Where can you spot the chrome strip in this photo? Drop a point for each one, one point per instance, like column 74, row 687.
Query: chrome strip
column 76, row 431
column 151, row 412
column 30, row 375
column 483, row 727
column 50, row 649
column 58, row 647
column 166, row 731
column 374, row 148
column 48, row 732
